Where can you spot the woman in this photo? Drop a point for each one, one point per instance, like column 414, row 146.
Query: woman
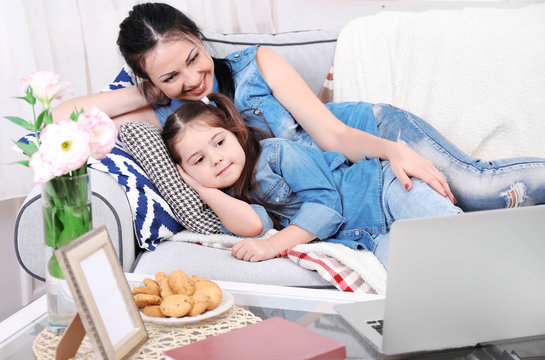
column 164, row 47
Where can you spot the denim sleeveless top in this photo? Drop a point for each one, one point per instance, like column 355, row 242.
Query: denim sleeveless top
column 252, row 92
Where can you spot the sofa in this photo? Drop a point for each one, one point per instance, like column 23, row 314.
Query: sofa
column 311, row 53
column 412, row 61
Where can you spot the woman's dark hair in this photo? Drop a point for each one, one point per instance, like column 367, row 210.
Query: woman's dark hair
column 223, row 115
column 148, row 25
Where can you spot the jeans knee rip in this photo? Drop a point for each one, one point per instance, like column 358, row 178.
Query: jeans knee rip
column 515, row 195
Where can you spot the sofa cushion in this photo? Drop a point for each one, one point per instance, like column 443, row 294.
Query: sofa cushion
column 146, row 145
column 152, row 217
column 219, row 264
column 310, row 52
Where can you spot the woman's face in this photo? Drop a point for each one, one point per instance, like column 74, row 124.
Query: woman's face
column 181, row 69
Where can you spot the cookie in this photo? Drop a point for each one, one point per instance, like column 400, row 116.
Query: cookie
column 200, row 304
column 153, row 310
column 153, row 286
column 160, row 275
column 143, row 290
column 180, row 283
column 176, row 305
column 165, row 288
column 143, row 300
column 209, row 288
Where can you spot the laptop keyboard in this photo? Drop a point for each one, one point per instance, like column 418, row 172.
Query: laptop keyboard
column 377, row 325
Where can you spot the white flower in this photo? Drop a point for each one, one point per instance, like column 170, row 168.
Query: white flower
column 102, row 132
column 65, row 145
column 45, row 86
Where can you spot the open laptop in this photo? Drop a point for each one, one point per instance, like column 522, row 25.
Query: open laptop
column 455, row 281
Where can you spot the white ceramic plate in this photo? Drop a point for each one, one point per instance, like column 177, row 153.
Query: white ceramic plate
column 225, row 304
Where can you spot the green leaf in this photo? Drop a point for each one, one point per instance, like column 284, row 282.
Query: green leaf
column 21, row 122
column 29, row 98
column 40, row 120
column 48, row 117
column 75, row 114
column 29, row 149
column 21, row 162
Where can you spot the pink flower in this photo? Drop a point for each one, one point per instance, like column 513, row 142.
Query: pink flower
column 102, row 132
column 43, row 169
column 65, row 146
column 45, row 86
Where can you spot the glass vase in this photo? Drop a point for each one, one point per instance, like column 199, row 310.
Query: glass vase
column 67, row 215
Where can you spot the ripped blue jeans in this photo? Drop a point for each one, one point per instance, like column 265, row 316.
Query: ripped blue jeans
column 476, row 184
column 398, row 204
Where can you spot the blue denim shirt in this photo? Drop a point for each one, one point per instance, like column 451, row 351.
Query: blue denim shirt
column 320, row 192
column 252, row 92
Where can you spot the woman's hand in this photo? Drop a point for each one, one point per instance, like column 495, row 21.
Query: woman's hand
column 406, row 162
column 253, row 250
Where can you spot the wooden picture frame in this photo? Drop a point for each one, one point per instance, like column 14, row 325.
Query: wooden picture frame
column 102, row 295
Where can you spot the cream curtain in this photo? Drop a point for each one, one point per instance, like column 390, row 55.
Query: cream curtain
column 76, row 38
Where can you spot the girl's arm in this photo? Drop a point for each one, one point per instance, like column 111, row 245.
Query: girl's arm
column 252, row 249
column 236, row 215
column 122, row 105
column 332, row 135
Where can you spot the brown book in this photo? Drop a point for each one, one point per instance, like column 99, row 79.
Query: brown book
column 273, row 339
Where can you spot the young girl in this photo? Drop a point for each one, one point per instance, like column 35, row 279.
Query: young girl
column 309, row 194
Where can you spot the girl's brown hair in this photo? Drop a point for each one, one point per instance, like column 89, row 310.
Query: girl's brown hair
column 223, row 115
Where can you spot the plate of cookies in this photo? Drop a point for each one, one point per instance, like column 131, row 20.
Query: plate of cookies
column 176, row 298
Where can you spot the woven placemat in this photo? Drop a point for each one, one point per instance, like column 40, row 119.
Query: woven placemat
column 161, row 337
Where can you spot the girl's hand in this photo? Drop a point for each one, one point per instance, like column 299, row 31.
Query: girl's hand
column 251, row 249
column 406, row 162
column 194, row 184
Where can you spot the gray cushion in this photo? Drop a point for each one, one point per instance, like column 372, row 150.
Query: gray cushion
column 310, row 52
column 218, row 264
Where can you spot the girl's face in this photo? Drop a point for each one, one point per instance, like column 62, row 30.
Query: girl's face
column 211, row 155
column 181, row 69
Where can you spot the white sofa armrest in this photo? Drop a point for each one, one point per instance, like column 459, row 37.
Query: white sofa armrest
column 109, row 207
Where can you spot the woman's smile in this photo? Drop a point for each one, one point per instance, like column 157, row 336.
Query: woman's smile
column 199, row 89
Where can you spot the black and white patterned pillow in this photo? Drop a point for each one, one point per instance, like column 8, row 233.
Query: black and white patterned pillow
column 153, row 218
column 146, row 145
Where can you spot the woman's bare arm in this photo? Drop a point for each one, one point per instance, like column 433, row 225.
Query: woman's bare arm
column 122, row 105
column 331, row 134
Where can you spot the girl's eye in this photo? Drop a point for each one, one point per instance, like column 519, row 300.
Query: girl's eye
column 199, row 160
column 221, row 142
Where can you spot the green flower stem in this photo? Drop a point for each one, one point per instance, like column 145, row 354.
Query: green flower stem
column 35, row 125
column 66, row 211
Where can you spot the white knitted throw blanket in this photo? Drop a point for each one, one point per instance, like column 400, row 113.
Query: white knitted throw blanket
column 343, row 267
column 476, row 74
